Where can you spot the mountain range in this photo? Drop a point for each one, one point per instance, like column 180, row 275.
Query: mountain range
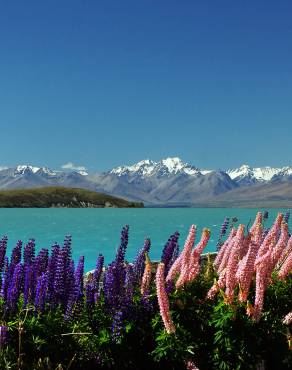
column 169, row 182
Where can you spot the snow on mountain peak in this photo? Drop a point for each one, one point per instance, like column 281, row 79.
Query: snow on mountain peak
column 22, row 169
column 257, row 173
column 149, row 168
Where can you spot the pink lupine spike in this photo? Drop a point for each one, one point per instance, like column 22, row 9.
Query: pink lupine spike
column 194, row 268
column 233, row 263
column 146, row 279
column 224, row 247
column 287, row 250
column 262, row 278
column 245, row 245
column 272, row 235
column 258, row 220
column 245, row 272
column 191, row 366
column 288, row 319
column 286, row 267
column 184, row 256
column 163, row 299
column 220, row 284
column 225, row 258
column 281, row 244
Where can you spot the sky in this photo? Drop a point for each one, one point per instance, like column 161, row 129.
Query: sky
column 103, row 83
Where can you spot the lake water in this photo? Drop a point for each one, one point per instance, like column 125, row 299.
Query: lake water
column 98, row 230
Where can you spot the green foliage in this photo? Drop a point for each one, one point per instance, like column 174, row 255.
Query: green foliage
column 211, row 333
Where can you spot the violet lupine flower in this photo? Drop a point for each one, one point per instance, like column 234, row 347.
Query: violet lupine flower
column 51, row 269
column 3, row 247
column 184, row 256
column 98, row 272
column 117, row 326
column 79, row 277
column 73, row 293
column 29, row 284
column 163, row 299
column 287, row 216
column 266, row 215
column 139, row 262
column 15, row 257
column 29, row 252
column 120, row 256
column 3, row 336
column 146, row 279
column 41, row 292
column 169, row 250
column 223, row 231
column 60, row 278
column 5, row 279
column 15, row 288
column 89, row 295
column 233, row 263
column 41, row 262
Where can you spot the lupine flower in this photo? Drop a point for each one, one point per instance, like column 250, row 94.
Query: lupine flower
column 163, row 299
column 29, row 252
column 120, row 256
column 14, row 288
column 281, row 244
column 232, row 264
column 139, row 262
column 41, row 262
column 271, row 235
column 223, row 231
column 287, row 250
column 191, row 366
column 41, row 292
column 169, row 250
column 287, row 216
column 29, row 284
column 286, row 267
column 79, row 277
column 225, row 258
column 89, row 293
column 98, row 271
column 184, row 256
column 6, row 279
column 117, row 326
column 51, row 270
column 245, row 272
column 196, row 254
column 3, row 335
column 146, row 279
column 60, row 278
column 288, row 319
column 3, row 247
column 266, row 215
column 258, row 220
column 223, row 248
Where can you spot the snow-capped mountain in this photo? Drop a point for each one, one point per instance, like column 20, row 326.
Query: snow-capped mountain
column 169, row 181
column 168, row 166
column 246, row 175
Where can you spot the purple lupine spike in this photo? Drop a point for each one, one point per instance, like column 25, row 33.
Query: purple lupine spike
column 120, row 256
column 15, row 287
column 51, row 269
column 98, row 272
column 168, row 251
column 79, row 278
column 5, row 279
column 73, row 292
column 139, row 261
column 117, row 326
column 3, row 336
column 41, row 262
column 222, row 232
column 15, row 256
column 287, row 216
column 29, row 284
column 3, row 247
column 129, row 284
column 265, row 215
column 41, row 292
column 90, row 296
column 29, row 252
column 60, row 278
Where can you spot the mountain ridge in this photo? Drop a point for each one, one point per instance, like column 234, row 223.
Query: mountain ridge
column 167, row 182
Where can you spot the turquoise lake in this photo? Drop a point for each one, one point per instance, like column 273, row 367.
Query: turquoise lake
column 98, row 230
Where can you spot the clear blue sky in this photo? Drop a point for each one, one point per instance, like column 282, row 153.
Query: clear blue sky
column 103, row 83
